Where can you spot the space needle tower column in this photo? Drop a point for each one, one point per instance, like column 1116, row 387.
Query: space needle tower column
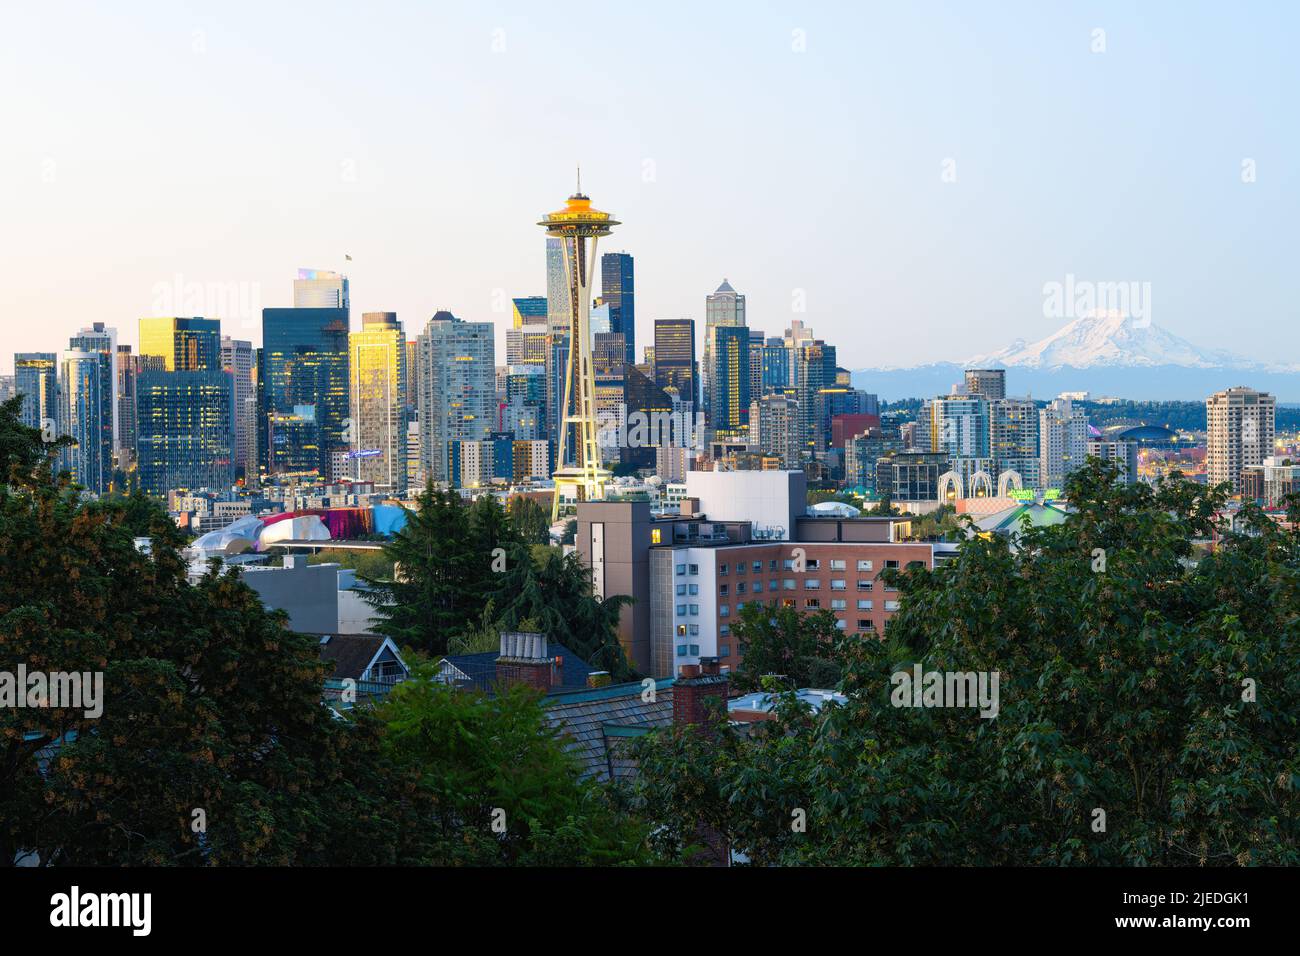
column 574, row 225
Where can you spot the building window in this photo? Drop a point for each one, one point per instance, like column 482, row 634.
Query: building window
column 695, row 589
column 724, row 610
column 837, row 565
column 681, row 630
column 812, row 564
column 864, row 585
column 891, row 564
column 722, row 569
column 740, row 567
column 788, row 564
column 812, row 604
column 655, row 536
column 839, row 604
column 724, row 629
column 740, row 588
column 788, row 584
column 740, row 606
column 841, row 624
column 724, row 650
column 681, row 610
column 758, row 586
column 866, row 605
column 865, row 624
column 839, row 585
column 722, row 589
column 772, row 564
column 695, row 610
column 757, row 567
column 681, row 650
column 812, row 584
column 695, row 569
column 695, row 650
column 681, row 590
column 891, row 605
column 695, row 630
column 864, row 565
column 681, row 569
column 788, row 602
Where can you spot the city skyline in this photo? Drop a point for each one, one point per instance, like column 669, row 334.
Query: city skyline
column 945, row 258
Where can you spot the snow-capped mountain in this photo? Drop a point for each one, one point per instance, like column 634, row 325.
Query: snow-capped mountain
column 1105, row 354
column 1114, row 340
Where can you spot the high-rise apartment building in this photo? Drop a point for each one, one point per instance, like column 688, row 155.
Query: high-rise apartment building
column 36, row 378
column 557, row 288
column 184, row 344
column 618, row 291
column 1123, row 453
column 1013, row 439
column 377, row 365
column 813, row 369
column 1241, row 423
column 457, row 400
column 86, row 416
column 988, row 383
column 774, row 426
column 1062, row 442
column 99, row 338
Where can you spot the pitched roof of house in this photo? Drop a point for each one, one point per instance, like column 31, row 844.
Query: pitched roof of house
column 480, row 669
column 352, row 653
column 598, row 724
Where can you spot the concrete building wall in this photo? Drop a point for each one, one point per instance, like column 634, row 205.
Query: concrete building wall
column 771, row 500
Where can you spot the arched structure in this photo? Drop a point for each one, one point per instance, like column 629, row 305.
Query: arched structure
column 1007, row 480
column 981, row 484
column 950, row 479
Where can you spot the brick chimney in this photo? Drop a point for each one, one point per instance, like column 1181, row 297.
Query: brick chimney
column 524, row 660
column 695, row 689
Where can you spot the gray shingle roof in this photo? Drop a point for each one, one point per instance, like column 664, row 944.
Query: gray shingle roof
column 600, row 724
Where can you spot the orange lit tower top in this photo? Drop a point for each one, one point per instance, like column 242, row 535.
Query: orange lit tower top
column 579, row 226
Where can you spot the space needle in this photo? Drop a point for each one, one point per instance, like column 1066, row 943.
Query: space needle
column 574, row 225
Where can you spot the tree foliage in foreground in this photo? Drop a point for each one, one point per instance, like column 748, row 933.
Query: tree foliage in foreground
column 1121, row 691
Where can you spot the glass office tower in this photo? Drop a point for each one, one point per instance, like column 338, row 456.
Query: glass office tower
column 303, row 389
column 618, row 291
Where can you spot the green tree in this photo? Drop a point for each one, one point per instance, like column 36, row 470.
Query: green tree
column 1133, row 681
column 554, row 591
column 530, row 520
column 494, row 784
column 437, row 570
column 782, row 641
column 211, row 744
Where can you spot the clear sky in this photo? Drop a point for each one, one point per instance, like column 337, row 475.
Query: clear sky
column 798, row 150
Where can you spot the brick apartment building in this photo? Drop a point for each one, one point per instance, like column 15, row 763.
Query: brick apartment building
column 690, row 576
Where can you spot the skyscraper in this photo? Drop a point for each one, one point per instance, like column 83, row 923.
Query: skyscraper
column 674, row 358
column 1063, row 442
column 36, row 378
column 579, row 226
column 724, row 308
column 774, row 426
column 557, row 288
column 378, row 369
column 239, row 362
column 99, row 338
column 86, row 415
column 617, row 290
column 304, row 389
column 185, row 429
column 321, row 289
column 730, row 375
column 1241, row 425
column 184, row 344
column 457, row 400
column 813, row 370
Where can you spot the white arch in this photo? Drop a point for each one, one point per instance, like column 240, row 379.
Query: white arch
column 981, row 480
column 950, row 478
column 1007, row 480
